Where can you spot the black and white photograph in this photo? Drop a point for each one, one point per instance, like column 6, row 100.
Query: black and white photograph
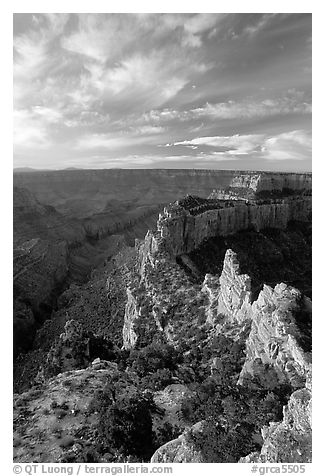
column 162, row 241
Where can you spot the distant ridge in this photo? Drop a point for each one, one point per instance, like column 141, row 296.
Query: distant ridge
column 152, row 170
column 73, row 168
column 24, row 169
column 31, row 169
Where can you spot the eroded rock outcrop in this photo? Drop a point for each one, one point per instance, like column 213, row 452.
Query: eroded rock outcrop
column 273, row 354
column 131, row 316
column 228, row 310
column 235, row 290
column 180, row 450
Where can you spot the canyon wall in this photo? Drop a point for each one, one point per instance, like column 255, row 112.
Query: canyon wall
column 52, row 249
column 273, row 182
column 180, row 231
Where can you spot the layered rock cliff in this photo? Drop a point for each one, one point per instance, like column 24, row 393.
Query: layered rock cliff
column 181, row 230
column 273, row 182
column 256, row 185
column 52, row 250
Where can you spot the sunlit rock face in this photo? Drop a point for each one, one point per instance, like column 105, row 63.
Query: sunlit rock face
column 131, row 316
column 180, row 450
column 182, row 230
column 235, row 290
column 273, row 354
column 272, row 182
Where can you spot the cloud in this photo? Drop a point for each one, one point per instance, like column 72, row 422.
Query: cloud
column 29, row 54
column 293, row 145
column 234, row 145
column 155, row 116
column 192, row 26
column 250, row 108
column 149, row 75
column 85, row 118
column 107, row 37
column 143, row 130
column 96, row 37
column 47, row 114
column 29, row 131
column 142, row 81
column 257, row 27
column 293, row 102
column 143, row 73
column 32, row 57
column 88, row 84
column 115, row 141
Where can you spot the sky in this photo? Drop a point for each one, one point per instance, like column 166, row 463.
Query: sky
column 219, row 91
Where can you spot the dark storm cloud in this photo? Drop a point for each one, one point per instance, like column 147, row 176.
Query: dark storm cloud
column 155, row 90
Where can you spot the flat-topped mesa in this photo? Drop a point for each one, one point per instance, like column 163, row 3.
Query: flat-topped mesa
column 181, row 228
column 264, row 184
column 273, row 182
column 276, row 182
